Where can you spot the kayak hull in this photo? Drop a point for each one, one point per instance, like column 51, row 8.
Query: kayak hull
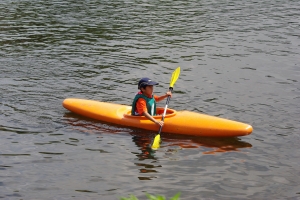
column 175, row 122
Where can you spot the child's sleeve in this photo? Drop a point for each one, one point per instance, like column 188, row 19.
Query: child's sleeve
column 141, row 106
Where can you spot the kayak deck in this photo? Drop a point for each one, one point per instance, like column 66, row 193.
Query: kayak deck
column 175, row 122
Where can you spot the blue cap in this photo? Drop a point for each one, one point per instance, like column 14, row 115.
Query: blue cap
column 146, row 81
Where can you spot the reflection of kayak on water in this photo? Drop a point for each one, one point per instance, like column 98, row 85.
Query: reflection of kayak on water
column 217, row 144
column 176, row 122
column 213, row 144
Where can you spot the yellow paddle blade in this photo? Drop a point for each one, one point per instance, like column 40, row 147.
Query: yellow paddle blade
column 175, row 76
column 156, row 142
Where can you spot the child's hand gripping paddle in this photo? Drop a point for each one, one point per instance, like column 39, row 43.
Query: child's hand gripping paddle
column 175, row 75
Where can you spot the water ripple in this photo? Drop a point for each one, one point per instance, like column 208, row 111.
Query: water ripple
column 239, row 60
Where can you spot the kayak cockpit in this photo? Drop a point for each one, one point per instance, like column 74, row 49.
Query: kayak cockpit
column 159, row 112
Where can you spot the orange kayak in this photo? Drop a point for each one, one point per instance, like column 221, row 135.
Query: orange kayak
column 176, row 122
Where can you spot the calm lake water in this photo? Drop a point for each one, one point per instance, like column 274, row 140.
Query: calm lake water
column 239, row 60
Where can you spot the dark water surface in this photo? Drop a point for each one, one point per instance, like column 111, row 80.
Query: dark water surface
column 239, row 60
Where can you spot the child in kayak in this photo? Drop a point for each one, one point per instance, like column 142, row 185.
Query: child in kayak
column 144, row 103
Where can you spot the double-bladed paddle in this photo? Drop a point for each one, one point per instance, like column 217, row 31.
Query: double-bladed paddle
column 175, row 75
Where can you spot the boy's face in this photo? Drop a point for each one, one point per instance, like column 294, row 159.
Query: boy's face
column 148, row 90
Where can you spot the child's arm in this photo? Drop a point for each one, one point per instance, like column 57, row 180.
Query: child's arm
column 164, row 96
column 160, row 123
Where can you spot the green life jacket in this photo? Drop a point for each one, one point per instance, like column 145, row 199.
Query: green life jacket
column 151, row 104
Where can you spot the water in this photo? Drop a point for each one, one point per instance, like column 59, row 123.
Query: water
column 239, row 60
